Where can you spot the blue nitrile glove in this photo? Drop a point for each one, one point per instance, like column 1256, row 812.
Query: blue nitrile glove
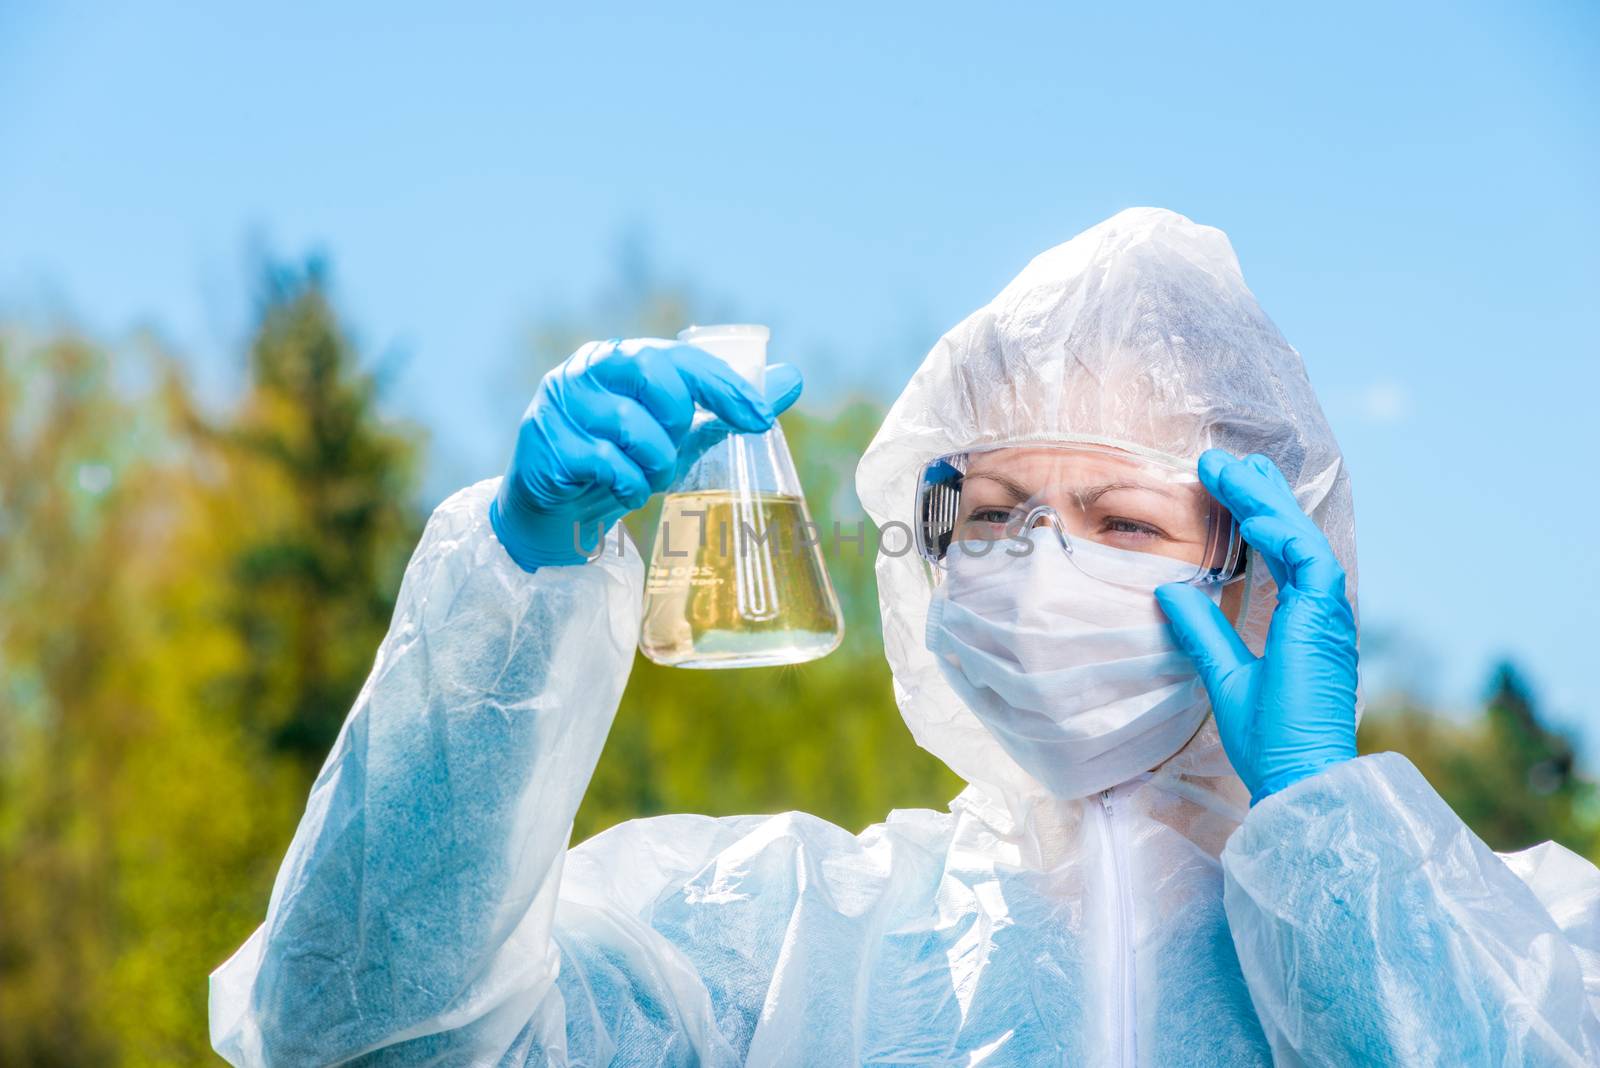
column 606, row 429
column 1292, row 712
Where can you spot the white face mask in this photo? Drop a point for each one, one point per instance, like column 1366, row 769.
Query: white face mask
column 1079, row 680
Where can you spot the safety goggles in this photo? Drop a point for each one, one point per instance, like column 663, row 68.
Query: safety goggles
column 1002, row 499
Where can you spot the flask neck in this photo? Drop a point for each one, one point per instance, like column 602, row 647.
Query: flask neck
column 742, row 346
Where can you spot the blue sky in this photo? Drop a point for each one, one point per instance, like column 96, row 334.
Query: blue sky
column 1411, row 189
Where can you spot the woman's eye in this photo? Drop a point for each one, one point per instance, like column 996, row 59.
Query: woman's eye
column 1118, row 525
column 999, row 516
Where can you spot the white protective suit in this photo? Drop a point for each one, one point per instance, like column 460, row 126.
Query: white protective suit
column 430, row 912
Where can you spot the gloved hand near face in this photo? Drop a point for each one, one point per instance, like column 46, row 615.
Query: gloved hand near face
column 1290, row 713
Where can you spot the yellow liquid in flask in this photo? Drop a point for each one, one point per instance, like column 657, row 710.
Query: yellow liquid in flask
column 736, row 580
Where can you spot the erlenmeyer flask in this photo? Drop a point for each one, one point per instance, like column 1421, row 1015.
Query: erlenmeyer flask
column 736, row 576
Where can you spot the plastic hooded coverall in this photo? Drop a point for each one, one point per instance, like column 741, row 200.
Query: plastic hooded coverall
column 430, row 912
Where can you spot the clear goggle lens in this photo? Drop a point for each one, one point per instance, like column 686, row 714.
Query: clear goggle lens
column 991, row 500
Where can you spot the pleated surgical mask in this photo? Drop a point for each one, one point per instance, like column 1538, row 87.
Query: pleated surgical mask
column 1077, row 678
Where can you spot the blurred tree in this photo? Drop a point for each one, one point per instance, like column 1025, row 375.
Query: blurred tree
column 1513, row 780
column 188, row 606
column 326, row 490
column 64, row 519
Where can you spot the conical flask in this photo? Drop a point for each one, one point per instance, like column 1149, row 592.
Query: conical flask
column 736, row 575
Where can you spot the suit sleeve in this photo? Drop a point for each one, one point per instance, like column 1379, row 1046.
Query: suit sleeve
column 1373, row 927
column 411, row 919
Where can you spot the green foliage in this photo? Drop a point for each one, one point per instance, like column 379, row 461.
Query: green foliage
column 62, row 515
column 187, row 608
column 1511, row 779
column 329, row 489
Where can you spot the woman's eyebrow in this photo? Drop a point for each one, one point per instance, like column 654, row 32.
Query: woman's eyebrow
column 1015, row 489
column 1094, row 493
column 1086, row 496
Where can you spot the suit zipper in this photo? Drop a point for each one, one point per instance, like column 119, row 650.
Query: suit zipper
column 1124, row 1028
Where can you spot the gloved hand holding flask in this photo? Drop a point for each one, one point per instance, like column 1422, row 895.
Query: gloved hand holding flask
column 603, row 433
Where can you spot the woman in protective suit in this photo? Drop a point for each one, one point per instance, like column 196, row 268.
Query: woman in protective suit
column 1129, row 625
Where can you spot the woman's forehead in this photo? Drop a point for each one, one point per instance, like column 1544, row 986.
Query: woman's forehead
column 1043, row 465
